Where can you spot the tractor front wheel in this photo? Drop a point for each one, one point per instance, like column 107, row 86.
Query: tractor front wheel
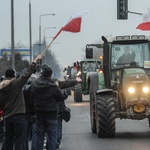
column 105, row 116
column 78, row 93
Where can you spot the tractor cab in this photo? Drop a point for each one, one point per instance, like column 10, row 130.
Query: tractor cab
column 128, row 73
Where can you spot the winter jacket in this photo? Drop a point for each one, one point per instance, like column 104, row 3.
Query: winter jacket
column 46, row 95
column 11, row 95
column 67, row 83
column 64, row 85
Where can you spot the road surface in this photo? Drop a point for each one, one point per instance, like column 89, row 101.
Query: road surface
column 77, row 135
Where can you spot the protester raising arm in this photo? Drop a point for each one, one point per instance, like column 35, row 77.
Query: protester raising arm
column 68, row 83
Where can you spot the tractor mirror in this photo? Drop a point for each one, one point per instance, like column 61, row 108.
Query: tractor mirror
column 89, row 52
column 117, row 49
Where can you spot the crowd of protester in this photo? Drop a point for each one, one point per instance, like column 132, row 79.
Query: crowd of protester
column 31, row 107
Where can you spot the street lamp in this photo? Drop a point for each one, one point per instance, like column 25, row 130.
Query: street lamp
column 40, row 25
column 46, row 29
column 30, row 31
column 12, row 35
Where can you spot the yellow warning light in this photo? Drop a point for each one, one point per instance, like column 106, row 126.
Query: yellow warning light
column 101, row 57
column 100, row 71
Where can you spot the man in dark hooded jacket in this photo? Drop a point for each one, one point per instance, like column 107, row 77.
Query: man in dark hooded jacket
column 13, row 105
column 61, row 104
column 63, row 85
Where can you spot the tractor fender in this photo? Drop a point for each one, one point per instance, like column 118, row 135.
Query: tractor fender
column 99, row 92
column 93, row 80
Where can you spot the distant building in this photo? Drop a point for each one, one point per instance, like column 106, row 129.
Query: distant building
column 24, row 52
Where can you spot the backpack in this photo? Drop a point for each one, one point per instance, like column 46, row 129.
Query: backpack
column 66, row 114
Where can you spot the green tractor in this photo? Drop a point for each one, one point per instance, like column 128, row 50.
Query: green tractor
column 122, row 88
column 84, row 68
column 70, row 74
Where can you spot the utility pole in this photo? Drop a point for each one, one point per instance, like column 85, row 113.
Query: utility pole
column 30, row 31
column 12, row 35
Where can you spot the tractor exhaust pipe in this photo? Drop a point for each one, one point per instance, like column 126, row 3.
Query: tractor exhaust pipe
column 106, row 63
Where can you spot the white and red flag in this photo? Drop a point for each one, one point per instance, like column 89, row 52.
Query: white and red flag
column 72, row 25
column 145, row 26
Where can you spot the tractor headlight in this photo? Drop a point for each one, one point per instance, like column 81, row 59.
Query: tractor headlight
column 79, row 72
column 131, row 90
column 145, row 89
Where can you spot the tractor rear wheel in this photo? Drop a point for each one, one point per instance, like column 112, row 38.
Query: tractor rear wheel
column 78, row 93
column 105, row 114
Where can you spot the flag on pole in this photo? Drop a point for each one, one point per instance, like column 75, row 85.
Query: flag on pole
column 73, row 24
column 145, row 26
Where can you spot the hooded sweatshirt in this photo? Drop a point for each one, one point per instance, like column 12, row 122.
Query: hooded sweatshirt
column 11, row 95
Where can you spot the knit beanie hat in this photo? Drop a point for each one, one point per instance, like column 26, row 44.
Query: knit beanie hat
column 10, row 73
column 46, row 71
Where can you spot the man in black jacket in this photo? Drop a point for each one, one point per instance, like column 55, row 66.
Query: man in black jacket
column 13, row 105
column 63, row 85
column 46, row 95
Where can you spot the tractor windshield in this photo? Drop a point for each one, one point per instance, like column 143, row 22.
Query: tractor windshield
column 128, row 54
column 90, row 66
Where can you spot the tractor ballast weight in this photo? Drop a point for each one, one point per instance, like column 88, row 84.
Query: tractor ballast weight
column 123, row 88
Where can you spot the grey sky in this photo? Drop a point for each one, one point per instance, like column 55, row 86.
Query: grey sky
column 101, row 21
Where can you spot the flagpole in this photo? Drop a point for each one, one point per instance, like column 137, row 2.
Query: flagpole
column 46, row 48
column 73, row 25
column 50, row 43
column 136, row 13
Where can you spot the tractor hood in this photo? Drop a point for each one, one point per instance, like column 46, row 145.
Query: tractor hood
column 135, row 78
column 133, row 71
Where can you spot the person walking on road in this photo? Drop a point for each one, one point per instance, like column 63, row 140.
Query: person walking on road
column 63, row 85
column 13, row 106
column 46, row 95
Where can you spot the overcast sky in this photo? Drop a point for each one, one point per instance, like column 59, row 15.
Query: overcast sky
column 68, row 46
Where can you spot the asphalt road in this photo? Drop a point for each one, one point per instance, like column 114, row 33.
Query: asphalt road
column 77, row 135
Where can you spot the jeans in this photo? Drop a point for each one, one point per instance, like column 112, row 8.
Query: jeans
column 30, row 132
column 59, row 131
column 1, row 130
column 33, row 136
column 15, row 132
column 48, row 126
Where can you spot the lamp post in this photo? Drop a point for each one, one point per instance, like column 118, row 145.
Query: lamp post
column 46, row 29
column 40, row 25
column 30, row 31
column 12, row 35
